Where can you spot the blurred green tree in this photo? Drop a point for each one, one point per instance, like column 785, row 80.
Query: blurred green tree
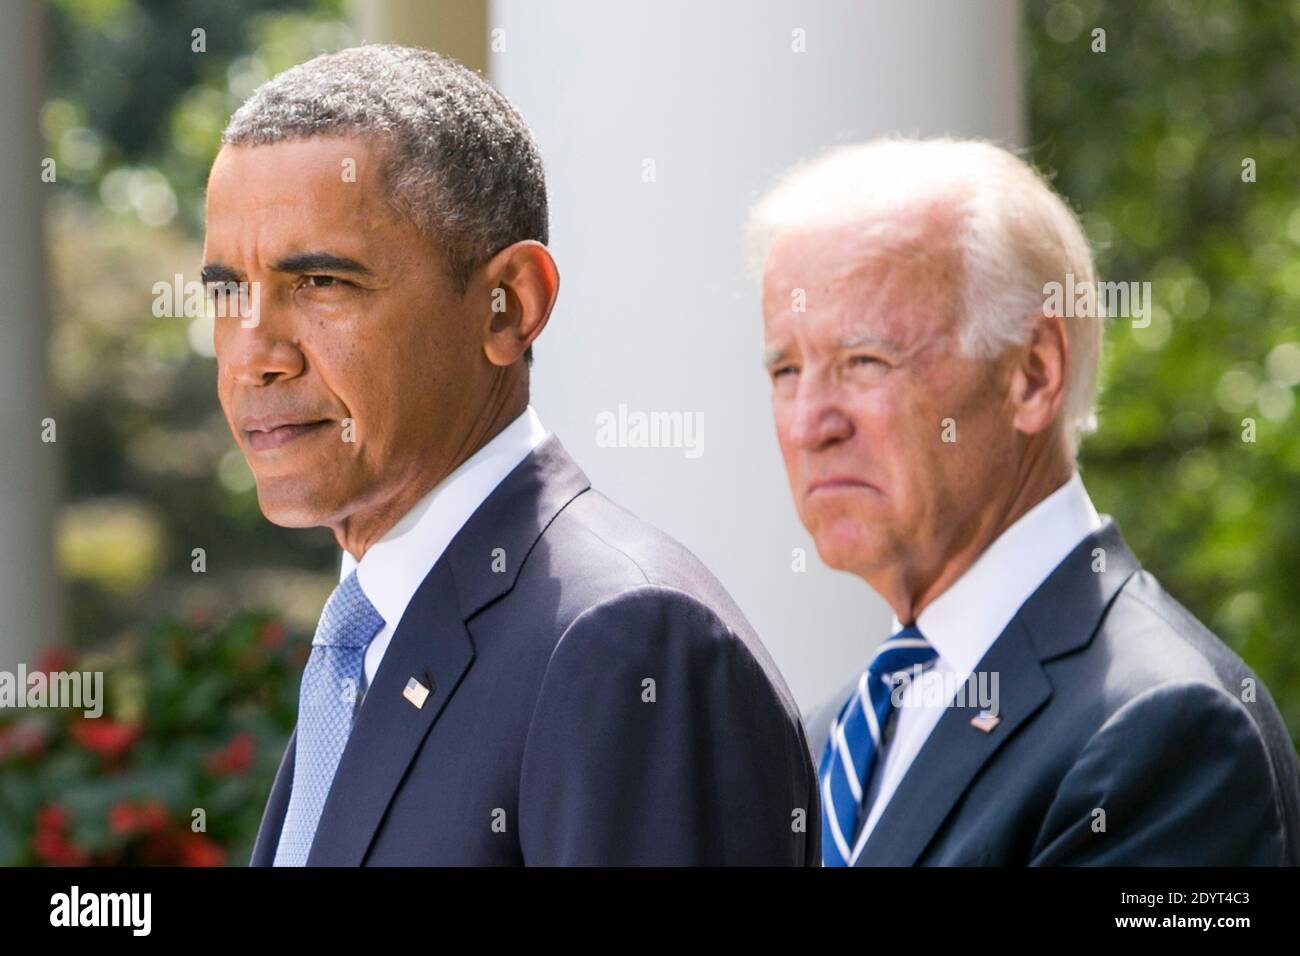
column 1153, row 128
column 201, row 694
column 133, row 119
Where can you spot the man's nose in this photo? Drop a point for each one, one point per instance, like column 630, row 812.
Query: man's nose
column 259, row 348
column 818, row 419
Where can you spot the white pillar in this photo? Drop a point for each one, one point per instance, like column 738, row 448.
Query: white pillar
column 29, row 593
column 656, row 311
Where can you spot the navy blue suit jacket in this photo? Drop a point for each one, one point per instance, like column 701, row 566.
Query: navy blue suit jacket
column 1128, row 735
column 599, row 700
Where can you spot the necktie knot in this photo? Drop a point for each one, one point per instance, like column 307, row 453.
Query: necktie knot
column 901, row 653
column 349, row 619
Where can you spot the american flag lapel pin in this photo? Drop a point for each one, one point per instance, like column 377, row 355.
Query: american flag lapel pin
column 416, row 693
column 985, row 721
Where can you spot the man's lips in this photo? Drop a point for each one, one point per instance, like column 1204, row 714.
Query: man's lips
column 267, row 433
column 839, row 483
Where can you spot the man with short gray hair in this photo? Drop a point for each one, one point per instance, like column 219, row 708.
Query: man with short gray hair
column 1041, row 699
column 512, row 669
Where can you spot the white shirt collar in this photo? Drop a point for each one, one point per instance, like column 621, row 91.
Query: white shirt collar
column 963, row 622
column 393, row 568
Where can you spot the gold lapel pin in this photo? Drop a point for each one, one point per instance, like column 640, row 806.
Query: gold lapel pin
column 985, row 722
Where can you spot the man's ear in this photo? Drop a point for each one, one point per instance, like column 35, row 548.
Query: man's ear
column 1038, row 377
column 519, row 285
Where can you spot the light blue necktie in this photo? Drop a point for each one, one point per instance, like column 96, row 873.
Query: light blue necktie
column 325, row 708
column 855, row 739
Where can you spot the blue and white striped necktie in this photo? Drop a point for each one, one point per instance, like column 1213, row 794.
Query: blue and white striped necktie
column 326, row 704
column 855, row 737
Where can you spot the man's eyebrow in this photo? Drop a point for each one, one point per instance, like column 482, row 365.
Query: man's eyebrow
column 773, row 355
column 867, row 339
column 320, row 262
column 216, row 272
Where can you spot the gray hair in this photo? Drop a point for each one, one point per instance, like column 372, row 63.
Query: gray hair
column 1014, row 235
column 461, row 163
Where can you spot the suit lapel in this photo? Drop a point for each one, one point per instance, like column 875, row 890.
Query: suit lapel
column 1060, row 617
column 432, row 643
column 954, row 753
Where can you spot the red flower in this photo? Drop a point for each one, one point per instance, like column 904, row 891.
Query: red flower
column 52, row 817
column 50, row 842
column 153, row 816
column 108, row 738
column 123, row 818
column 234, row 758
column 55, row 659
column 271, row 634
column 57, row 850
column 182, row 847
column 197, row 849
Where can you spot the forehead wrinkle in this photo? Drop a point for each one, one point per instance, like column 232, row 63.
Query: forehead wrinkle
column 888, row 274
column 902, row 280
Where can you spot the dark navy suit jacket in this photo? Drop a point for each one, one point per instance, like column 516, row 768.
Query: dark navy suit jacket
column 601, row 700
column 1129, row 735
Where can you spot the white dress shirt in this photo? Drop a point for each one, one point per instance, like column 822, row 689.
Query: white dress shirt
column 963, row 622
column 394, row 567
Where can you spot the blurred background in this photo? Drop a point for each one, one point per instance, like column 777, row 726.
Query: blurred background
column 1178, row 141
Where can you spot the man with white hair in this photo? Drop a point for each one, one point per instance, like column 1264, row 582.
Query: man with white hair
column 1041, row 699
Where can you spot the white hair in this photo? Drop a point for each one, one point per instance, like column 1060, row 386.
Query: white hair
column 1014, row 235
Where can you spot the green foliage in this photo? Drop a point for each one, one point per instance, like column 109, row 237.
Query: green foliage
column 133, row 104
column 176, row 770
column 1148, row 141
column 152, row 473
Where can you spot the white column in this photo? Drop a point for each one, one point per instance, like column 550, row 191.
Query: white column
column 29, row 593
column 656, row 311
